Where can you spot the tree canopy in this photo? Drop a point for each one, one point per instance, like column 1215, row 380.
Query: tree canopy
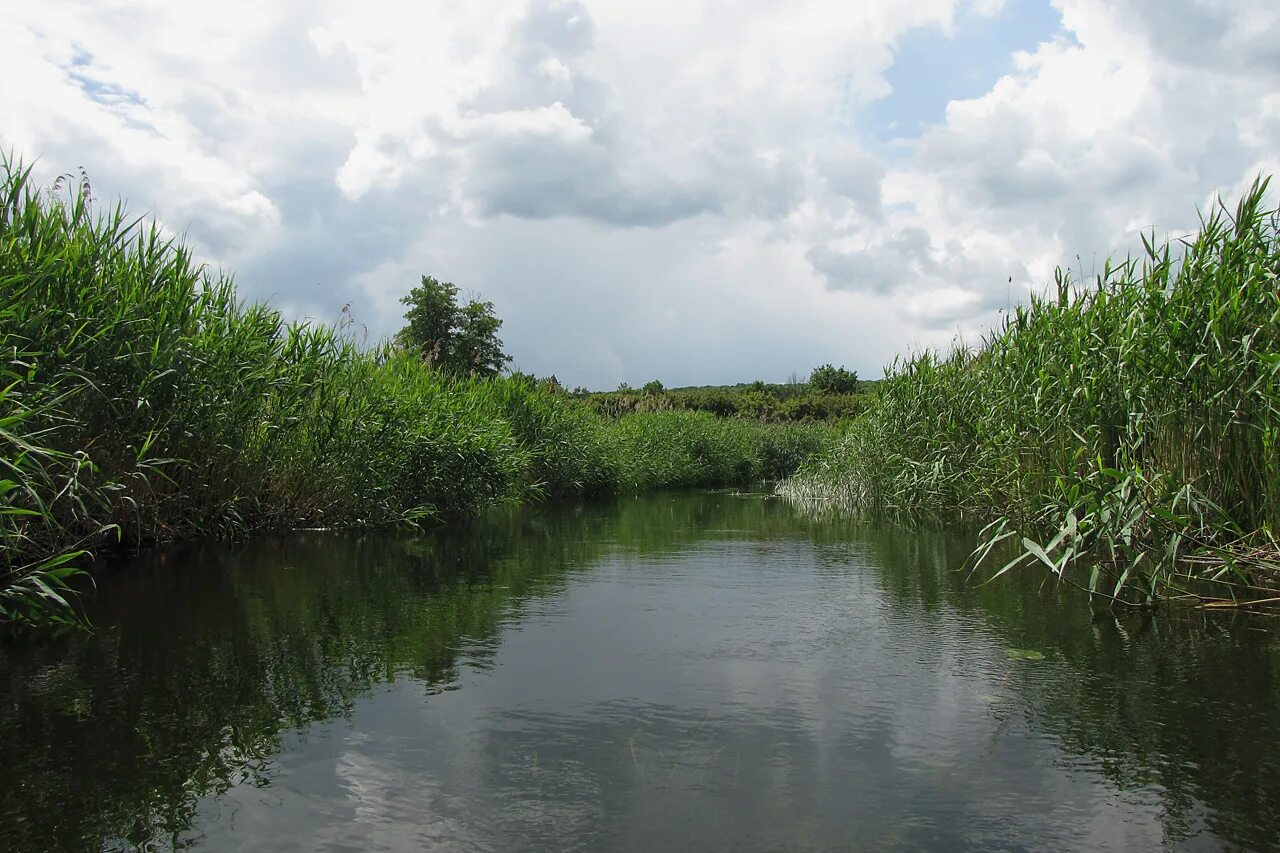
column 833, row 380
column 454, row 338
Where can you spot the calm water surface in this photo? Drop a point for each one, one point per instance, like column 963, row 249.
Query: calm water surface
column 696, row 671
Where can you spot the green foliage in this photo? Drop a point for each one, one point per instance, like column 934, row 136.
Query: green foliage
column 686, row 448
column 652, row 388
column 829, row 379
column 457, row 339
column 757, row 400
column 140, row 400
column 1124, row 434
column 570, row 449
column 781, row 449
column 667, row 449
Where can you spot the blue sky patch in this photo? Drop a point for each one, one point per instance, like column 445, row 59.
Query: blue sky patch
column 111, row 95
column 931, row 67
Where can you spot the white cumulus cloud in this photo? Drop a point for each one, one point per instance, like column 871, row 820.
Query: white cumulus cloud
column 693, row 191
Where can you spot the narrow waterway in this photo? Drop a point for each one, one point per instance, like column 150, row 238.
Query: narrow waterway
column 699, row 671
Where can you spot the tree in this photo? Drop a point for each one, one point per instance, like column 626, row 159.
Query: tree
column 478, row 349
column 652, row 388
column 458, row 339
column 829, row 379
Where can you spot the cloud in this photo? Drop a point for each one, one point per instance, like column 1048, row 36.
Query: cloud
column 1109, row 129
column 524, row 124
column 936, row 287
column 692, row 191
column 547, row 162
column 853, row 175
column 905, row 256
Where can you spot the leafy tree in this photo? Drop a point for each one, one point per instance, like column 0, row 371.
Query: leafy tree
column 458, row 339
column 652, row 388
column 477, row 347
column 829, row 379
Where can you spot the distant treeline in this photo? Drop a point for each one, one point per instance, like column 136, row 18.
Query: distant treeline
column 793, row 401
column 141, row 400
column 729, row 403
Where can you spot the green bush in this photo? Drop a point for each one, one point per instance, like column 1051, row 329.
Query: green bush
column 829, row 379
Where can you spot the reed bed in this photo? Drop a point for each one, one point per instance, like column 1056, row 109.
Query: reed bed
column 1120, row 434
column 142, row 400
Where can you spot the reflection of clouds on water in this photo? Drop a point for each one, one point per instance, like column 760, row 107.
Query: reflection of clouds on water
column 685, row 671
column 672, row 704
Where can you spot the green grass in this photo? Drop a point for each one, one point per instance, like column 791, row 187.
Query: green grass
column 141, row 400
column 1122, row 434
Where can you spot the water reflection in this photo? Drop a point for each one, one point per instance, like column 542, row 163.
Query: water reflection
column 693, row 671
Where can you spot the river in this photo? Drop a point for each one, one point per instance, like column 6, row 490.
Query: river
column 694, row 671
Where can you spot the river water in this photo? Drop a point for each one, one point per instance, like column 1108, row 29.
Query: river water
column 702, row 671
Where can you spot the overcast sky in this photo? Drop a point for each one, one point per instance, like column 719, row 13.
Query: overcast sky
column 700, row 191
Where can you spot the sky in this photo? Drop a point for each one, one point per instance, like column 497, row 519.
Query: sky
column 700, row 191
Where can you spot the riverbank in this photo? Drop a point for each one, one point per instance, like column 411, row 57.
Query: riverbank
column 141, row 400
column 1124, row 433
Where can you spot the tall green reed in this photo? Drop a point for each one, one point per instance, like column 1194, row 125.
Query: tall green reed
column 1122, row 434
column 142, row 400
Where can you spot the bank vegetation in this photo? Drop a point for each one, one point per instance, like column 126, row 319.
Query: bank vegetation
column 1122, row 434
column 142, row 400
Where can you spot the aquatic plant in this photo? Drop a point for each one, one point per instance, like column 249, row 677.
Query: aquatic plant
column 1123, row 434
column 141, row 400
column 676, row 448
